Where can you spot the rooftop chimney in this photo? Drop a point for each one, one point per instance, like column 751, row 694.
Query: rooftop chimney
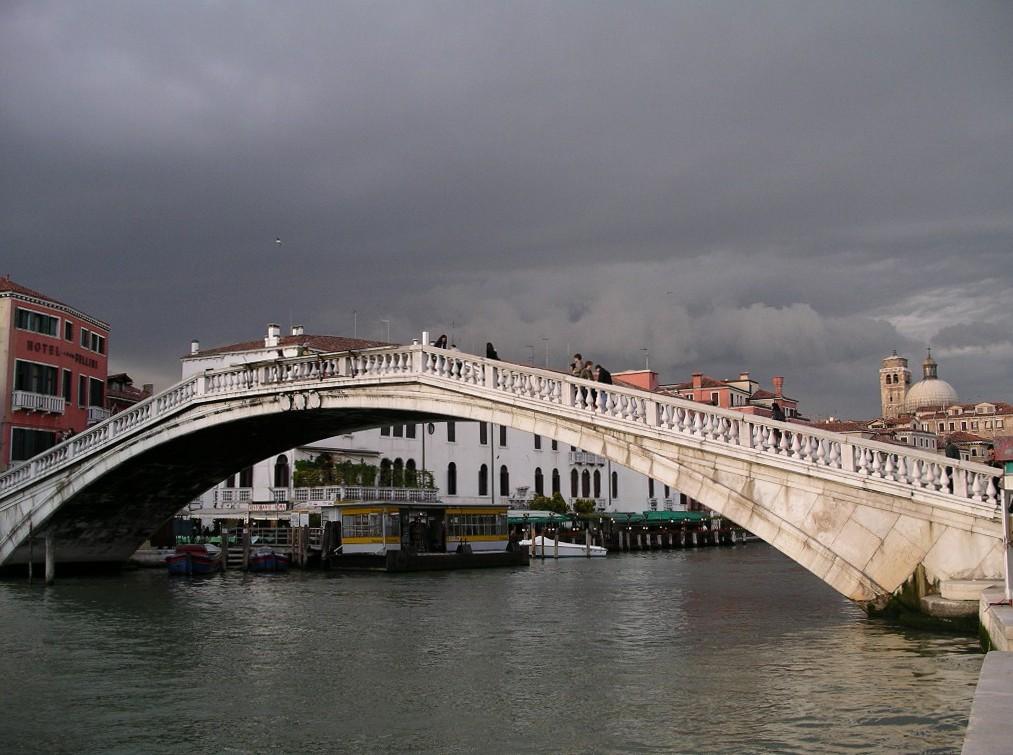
column 149, row 389
column 297, row 330
column 778, row 386
column 273, row 337
column 194, row 346
column 697, row 379
column 743, row 376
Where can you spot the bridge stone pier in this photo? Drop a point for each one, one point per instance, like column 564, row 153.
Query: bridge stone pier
column 863, row 516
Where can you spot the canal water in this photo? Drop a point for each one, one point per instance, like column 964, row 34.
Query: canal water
column 715, row 650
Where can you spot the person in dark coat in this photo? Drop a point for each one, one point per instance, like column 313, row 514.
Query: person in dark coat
column 602, row 375
column 441, row 342
column 776, row 412
column 490, row 351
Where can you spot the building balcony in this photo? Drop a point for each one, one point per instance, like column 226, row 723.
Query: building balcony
column 96, row 414
column 325, row 496
column 38, row 402
column 584, row 457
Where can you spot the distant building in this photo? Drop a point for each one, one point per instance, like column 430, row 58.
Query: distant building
column 742, row 394
column 929, row 414
column 121, row 393
column 898, row 396
column 53, row 380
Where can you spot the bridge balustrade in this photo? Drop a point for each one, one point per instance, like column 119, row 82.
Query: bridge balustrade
column 963, row 484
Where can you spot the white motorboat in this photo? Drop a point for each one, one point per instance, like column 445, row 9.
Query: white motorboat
column 549, row 548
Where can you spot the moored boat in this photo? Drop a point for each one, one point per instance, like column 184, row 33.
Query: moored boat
column 195, row 558
column 546, row 546
column 267, row 559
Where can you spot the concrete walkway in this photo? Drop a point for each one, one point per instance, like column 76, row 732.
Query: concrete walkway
column 990, row 728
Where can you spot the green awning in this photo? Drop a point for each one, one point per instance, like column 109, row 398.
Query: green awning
column 675, row 516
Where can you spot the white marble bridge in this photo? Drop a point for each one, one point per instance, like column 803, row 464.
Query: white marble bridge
column 863, row 516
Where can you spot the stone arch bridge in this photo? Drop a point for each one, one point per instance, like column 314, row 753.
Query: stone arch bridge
column 863, row 516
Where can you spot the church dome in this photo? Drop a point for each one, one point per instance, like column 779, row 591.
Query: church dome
column 930, row 392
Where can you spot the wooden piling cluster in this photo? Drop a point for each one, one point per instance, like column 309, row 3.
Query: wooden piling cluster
column 645, row 538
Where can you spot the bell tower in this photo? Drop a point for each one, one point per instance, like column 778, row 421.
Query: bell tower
column 894, row 381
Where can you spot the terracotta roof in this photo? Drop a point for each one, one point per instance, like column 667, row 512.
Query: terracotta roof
column 963, row 437
column 842, row 426
column 6, row 284
column 317, row 343
column 705, row 382
column 760, row 393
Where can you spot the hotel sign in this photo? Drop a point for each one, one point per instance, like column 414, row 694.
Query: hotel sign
column 54, row 351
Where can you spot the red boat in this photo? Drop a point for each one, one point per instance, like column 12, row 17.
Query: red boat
column 196, row 558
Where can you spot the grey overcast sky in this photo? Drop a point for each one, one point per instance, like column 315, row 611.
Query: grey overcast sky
column 788, row 188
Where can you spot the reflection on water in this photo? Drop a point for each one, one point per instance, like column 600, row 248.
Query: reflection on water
column 718, row 650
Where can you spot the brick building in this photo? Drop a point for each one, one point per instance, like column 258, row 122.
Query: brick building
column 54, row 367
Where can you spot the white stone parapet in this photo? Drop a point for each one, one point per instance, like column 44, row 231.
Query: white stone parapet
column 962, row 484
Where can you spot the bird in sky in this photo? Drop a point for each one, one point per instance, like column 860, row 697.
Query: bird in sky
column 277, row 241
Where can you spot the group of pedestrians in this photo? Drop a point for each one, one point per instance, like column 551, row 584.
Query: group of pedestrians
column 588, row 370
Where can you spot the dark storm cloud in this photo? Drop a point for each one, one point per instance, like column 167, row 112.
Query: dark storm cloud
column 789, row 188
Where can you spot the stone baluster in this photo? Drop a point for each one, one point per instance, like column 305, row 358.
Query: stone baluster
column 875, row 468
column 889, row 470
column 992, row 491
column 943, row 480
column 976, row 487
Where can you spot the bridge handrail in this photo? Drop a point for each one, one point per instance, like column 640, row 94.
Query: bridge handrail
column 914, row 469
column 920, row 470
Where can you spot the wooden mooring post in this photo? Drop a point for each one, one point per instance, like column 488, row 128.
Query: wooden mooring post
column 50, row 559
column 31, row 551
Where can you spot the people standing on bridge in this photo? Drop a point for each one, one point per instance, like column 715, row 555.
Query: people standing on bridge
column 441, row 342
column 601, row 375
column 587, row 373
column 776, row 413
column 576, row 365
column 490, row 351
column 951, row 451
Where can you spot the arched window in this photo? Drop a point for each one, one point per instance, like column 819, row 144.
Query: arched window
column 398, row 476
column 597, row 484
column 385, row 476
column 555, row 481
column 615, row 484
column 650, row 487
column 483, row 480
column 451, row 479
column 246, row 478
column 504, row 481
column 585, row 484
column 573, row 483
column 539, row 482
column 281, row 472
column 411, row 479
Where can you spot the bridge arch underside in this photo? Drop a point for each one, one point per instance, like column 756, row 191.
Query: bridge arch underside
column 863, row 542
